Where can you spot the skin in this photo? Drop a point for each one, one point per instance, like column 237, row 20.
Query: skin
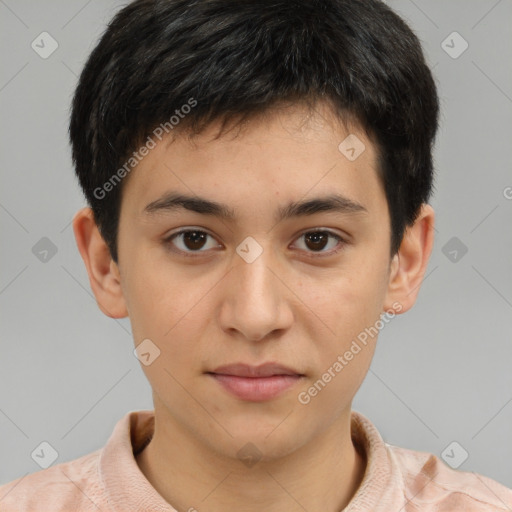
column 287, row 306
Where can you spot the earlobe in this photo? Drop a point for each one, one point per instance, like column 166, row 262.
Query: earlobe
column 104, row 276
column 410, row 263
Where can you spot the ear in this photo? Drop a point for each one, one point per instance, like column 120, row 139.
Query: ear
column 104, row 275
column 410, row 263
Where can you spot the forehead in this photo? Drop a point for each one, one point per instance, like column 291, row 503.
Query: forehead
column 285, row 153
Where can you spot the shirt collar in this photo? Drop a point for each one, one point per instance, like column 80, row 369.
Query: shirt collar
column 128, row 489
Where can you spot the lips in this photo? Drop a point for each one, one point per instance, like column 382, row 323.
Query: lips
column 255, row 383
column 263, row 370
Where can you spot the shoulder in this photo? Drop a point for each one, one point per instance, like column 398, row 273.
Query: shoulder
column 66, row 486
column 431, row 484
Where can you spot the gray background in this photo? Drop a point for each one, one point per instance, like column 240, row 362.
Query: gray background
column 441, row 372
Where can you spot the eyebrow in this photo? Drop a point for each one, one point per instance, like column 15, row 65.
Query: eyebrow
column 332, row 203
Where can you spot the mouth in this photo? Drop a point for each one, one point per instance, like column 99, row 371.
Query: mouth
column 256, row 383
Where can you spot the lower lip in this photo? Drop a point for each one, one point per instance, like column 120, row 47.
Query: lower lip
column 256, row 389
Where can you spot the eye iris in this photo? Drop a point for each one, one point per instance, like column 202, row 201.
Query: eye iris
column 318, row 239
column 315, row 240
column 194, row 239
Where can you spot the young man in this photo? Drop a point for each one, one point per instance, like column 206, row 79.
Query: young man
column 258, row 175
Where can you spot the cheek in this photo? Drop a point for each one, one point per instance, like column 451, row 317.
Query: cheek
column 350, row 309
column 349, row 298
column 346, row 309
column 169, row 314
column 151, row 309
column 172, row 313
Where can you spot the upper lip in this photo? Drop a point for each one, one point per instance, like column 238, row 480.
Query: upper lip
column 262, row 370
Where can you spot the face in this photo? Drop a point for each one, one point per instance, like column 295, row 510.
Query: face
column 259, row 285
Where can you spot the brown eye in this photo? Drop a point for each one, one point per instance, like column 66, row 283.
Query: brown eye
column 191, row 241
column 194, row 240
column 317, row 241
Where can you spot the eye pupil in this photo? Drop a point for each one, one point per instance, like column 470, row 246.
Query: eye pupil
column 194, row 241
column 318, row 238
column 197, row 239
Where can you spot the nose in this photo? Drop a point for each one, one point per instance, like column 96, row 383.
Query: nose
column 256, row 302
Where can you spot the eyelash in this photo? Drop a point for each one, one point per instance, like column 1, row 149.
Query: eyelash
column 194, row 254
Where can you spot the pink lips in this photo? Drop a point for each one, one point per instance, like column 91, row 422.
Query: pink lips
column 256, row 383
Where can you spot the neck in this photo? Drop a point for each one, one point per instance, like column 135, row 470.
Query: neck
column 320, row 476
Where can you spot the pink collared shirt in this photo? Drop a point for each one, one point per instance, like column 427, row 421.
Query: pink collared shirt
column 109, row 479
